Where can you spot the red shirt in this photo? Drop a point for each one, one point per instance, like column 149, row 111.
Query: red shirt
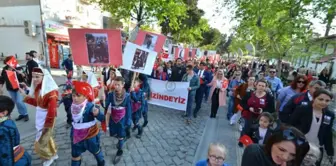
column 255, row 103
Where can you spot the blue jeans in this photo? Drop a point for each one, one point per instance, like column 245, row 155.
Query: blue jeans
column 189, row 105
column 17, row 98
column 230, row 107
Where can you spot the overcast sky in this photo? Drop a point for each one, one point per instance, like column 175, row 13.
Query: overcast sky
column 223, row 24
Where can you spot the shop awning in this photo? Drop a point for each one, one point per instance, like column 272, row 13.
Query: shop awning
column 325, row 59
column 59, row 37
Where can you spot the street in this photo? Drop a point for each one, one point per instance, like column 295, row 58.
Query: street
column 167, row 140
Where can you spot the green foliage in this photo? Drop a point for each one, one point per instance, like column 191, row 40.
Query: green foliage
column 272, row 26
column 144, row 11
column 325, row 10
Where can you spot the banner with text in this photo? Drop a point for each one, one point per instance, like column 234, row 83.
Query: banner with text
column 169, row 94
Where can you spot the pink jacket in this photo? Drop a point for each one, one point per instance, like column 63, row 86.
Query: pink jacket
column 222, row 92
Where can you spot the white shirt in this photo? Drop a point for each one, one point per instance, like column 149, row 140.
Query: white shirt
column 262, row 134
column 219, row 83
column 310, row 97
column 200, row 73
column 312, row 135
column 106, row 72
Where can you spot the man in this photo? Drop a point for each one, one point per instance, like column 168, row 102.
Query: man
column 36, row 57
column 194, row 84
column 68, row 66
column 178, row 71
column 14, row 92
column 43, row 95
column 234, row 83
column 274, row 81
column 106, row 73
column 204, row 80
column 31, row 63
column 300, row 99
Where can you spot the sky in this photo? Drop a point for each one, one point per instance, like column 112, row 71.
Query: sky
column 224, row 24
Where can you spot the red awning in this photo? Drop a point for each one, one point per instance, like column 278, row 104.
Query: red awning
column 59, row 37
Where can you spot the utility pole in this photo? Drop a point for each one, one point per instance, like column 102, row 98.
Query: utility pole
column 44, row 35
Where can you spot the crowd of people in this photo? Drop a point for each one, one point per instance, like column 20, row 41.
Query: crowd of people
column 287, row 125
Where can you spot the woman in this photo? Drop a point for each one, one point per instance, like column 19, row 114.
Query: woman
column 312, row 156
column 316, row 122
column 194, row 84
column 217, row 93
column 160, row 74
column 43, row 95
column 240, row 92
column 255, row 103
column 168, row 68
column 109, row 83
column 324, row 76
column 299, row 85
column 286, row 147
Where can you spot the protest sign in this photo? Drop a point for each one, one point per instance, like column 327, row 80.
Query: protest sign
column 138, row 59
column 169, row 94
column 96, row 46
column 150, row 41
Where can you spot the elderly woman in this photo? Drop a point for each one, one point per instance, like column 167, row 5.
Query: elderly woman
column 312, row 156
column 217, row 94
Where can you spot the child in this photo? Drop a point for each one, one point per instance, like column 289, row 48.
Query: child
column 216, row 156
column 85, row 132
column 67, row 101
column 137, row 105
column 13, row 154
column 260, row 132
column 119, row 107
column 146, row 90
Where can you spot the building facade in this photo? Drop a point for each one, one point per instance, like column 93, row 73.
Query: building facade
column 21, row 24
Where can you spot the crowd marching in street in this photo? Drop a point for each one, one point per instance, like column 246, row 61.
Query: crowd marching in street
column 283, row 121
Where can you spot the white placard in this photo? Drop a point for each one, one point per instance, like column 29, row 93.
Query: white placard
column 138, row 59
column 169, row 94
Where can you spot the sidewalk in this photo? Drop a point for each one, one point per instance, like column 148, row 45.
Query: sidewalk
column 219, row 130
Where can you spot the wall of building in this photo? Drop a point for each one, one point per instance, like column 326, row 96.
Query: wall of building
column 13, row 38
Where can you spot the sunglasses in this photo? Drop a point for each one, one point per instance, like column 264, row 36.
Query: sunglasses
column 290, row 136
column 302, row 82
column 272, row 71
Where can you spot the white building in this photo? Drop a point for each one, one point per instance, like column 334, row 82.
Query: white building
column 58, row 16
column 12, row 32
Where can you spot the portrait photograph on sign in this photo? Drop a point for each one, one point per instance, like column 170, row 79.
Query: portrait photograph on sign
column 95, row 47
column 150, row 41
column 138, row 59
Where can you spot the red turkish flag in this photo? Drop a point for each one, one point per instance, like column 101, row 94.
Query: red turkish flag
column 246, row 140
column 12, row 62
column 13, row 79
column 165, row 55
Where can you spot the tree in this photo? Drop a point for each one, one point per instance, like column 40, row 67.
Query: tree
column 144, row 11
column 212, row 38
column 191, row 35
column 273, row 26
column 192, row 26
column 325, row 10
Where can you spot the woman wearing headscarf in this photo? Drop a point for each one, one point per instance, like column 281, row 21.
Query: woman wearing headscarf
column 43, row 94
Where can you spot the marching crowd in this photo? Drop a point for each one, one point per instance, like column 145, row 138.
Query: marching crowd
column 287, row 126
